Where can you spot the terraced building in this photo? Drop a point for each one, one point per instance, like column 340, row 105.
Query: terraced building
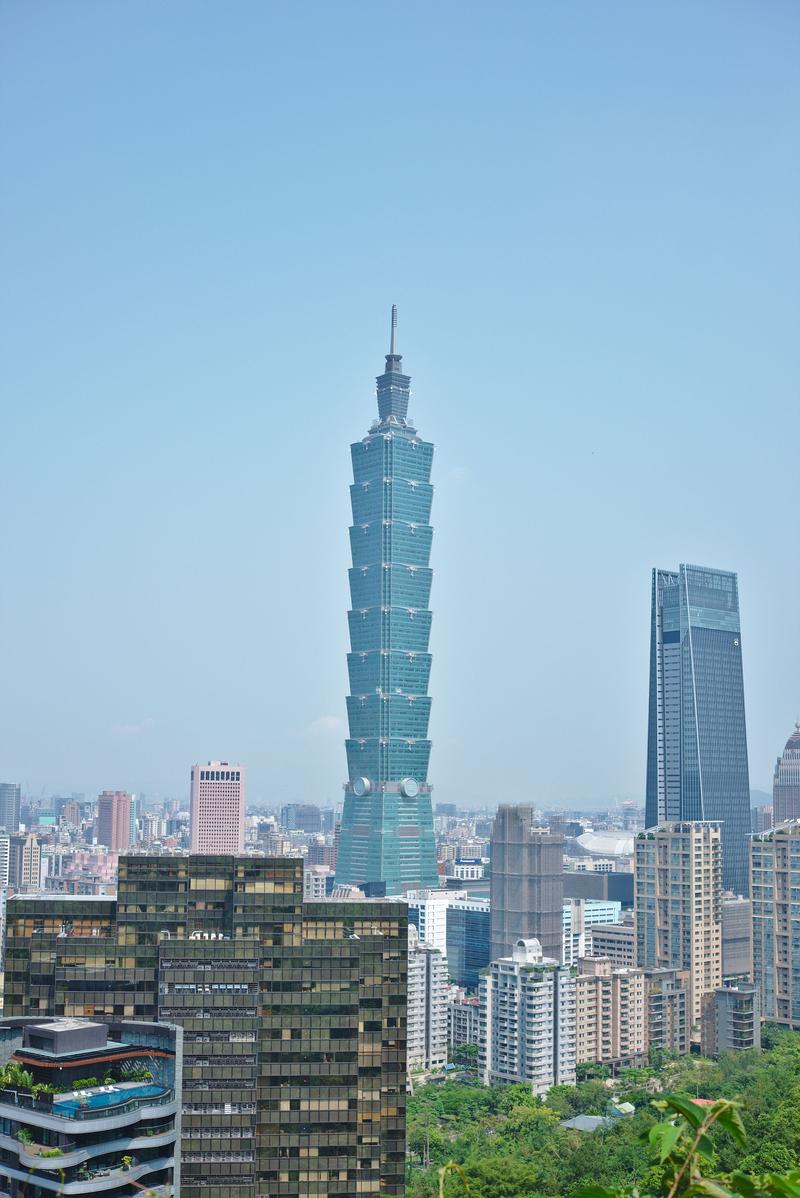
column 386, row 838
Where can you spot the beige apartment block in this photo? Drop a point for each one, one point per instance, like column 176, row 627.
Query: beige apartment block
column 678, row 903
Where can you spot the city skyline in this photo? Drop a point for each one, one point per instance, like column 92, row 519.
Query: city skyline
column 591, row 235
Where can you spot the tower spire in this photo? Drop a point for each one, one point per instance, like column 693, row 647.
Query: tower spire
column 394, row 329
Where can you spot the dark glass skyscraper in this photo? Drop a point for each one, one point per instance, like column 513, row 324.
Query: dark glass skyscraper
column 386, row 836
column 697, row 742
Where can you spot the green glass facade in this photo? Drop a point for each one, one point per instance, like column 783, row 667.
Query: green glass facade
column 293, row 1014
column 387, row 825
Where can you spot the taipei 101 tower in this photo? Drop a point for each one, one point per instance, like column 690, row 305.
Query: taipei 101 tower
column 386, row 837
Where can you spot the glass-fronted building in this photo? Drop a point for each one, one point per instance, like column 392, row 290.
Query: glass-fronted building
column 469, row 928
column 386, row 836
column 697, row 742
column 293, row 1014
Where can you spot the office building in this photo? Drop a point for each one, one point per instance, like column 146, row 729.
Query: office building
column 616, row 941
column 527, row 890
column 463, row 1019
column 737, row 938
column 786, row 783
column 731, row 1019
column 678, row 903
column 610, row 1019
column 216, row 811
column 468, row 940
column 9, row 807
column 301, row 817
column 613, row 886
column 761, row 818
column 697, row 743
column 118, row 1134
column 775, row 867
column 668, row 1010
column 113, row 828
column 5, row 858
column 293, row 1013
column 579, row 916
column 387, row 823
column 25, row 867
column 528, row 1017
column 426, row 1017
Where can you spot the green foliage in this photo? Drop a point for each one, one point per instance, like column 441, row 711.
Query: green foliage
column 84, row 1083
column 509, row 1144
column 51, row 1152
column 14, row 1077
column 24, row 1136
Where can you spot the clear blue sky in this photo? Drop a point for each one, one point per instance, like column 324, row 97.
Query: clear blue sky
column 588, row 215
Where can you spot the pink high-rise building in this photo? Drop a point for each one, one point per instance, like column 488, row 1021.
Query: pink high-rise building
column 217, row 808
column 114, row 820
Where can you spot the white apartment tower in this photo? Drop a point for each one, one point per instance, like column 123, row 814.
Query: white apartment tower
column 216, row 818
column 426, row 1012
column 528, row 1020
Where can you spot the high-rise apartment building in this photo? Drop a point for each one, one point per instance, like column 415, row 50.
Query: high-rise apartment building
column 527, row 887
column 386, row 835
column 528, row 1018
column 610, row 1014
column 293, row 1014
column 786, row 783
column 113, row 827
column 426, row 1017
column 774, row 870
column 678, row 903
column 697, row 743
column 216, row 810
column 9, row 807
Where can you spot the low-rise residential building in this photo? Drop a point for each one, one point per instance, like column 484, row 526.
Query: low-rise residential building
column 610, row 1020
column 427, row 1005
column 731, row 1019
column 668, row 1009
column 108, row 1122
column 528, row 1020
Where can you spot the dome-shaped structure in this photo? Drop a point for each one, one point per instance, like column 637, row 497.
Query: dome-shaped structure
column 786, row 784
column 794, row 740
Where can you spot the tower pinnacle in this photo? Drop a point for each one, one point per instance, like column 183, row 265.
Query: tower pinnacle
column 394, row 329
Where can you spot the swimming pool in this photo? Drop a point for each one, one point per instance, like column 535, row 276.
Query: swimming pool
column 68, row 1107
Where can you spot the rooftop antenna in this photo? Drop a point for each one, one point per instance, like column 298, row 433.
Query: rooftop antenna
column 394, row 327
